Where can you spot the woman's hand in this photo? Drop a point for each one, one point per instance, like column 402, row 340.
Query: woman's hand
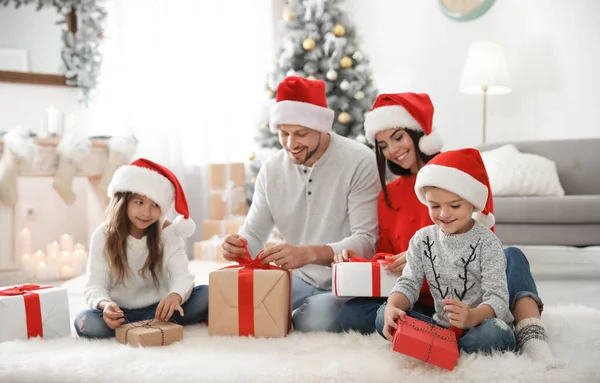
column 344, row 256
column 167, row 306
column 113, row 315
column 397, row 263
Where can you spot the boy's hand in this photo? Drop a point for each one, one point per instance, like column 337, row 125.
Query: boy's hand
column 459, row 314
column 390, row 316
column 112, row 315
column 167, row 306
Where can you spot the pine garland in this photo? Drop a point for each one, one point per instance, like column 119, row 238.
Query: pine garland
column 80, row 54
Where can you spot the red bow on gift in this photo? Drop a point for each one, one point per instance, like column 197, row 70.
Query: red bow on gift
column 376, row 262
column 33, row 310
column 246, row 267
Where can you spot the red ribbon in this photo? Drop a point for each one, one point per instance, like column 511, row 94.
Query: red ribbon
column 376, row 262
column 33, row 310
column 246, row 290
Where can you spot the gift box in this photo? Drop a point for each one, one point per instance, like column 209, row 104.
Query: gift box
column 360, row 277
column 220, row 227
column 249, row 299
column 28, row 311
column 427, row 342
column 209, row 250
column 227, row 197
column 149, row 333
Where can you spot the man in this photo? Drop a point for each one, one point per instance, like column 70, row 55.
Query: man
column 321, row 192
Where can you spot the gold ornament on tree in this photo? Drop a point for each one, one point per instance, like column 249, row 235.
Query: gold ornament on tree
column 344, row 118
column 346, row 62
column 359, row 95
column 339, row 30
column 269, row 93
column 252, row 156
column 309, row 44
column 288, row 15
column 311, row 77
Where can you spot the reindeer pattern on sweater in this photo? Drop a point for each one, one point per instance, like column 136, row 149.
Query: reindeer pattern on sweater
column 470, row 267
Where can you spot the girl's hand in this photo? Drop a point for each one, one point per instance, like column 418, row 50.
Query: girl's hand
column 112, row 315
column 397, row 264
column 459, row 314
column 390, row 316
column 167, row 306
column 344, row 256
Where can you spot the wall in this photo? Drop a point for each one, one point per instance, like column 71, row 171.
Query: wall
column 552, row 53
column 34, row 31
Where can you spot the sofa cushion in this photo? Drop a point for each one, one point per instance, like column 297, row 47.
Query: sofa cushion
column 548, row 210
column 521, row 174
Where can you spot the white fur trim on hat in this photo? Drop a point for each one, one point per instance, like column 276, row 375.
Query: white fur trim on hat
column 487, row 220
column 135, row 179
column 453, row 180
column 431, row 143
column 184, row 227
column 388, row 117
column 301, row 113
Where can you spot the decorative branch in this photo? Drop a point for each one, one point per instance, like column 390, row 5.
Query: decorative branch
column 428, row 254
column 464, row 277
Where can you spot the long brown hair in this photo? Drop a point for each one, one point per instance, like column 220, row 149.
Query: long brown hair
column 396, row 169
column 117, row 232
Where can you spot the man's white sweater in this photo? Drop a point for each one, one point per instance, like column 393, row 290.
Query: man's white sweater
column 137, row 291
column 333, row 202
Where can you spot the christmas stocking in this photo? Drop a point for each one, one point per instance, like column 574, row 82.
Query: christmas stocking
column 19, row 149
column 72, row 150
column 120, row 150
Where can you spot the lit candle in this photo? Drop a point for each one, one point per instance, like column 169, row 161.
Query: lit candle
column 52, row 248
column 53, row 121
column 80, row 246
column 67, row 272
column 80, row 261
column 25, row 241
column 28, row 265
column 66, row 242
column 45, row 272
column 53, row 258
column 70, row 124
column 39, row 257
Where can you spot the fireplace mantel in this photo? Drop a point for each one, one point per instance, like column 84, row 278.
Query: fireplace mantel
column 45, row 165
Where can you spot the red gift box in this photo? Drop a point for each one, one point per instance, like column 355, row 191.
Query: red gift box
column 427, row 342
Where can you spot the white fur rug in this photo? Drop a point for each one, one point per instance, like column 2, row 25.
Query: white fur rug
column 574, row 333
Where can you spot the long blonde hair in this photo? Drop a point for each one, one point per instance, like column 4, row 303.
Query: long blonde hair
column 117, row 232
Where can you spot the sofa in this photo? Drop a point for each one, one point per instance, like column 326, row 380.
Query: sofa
column 572, row 219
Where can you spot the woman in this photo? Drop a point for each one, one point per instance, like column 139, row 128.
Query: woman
column 400, row 127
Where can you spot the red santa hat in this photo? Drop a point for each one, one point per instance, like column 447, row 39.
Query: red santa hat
column 301, row 102
column 412, row 111
column 159, row 184
column 463, row 173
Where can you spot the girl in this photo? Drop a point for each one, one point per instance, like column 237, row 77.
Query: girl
column 138, row 268
column 400, row 127
column 462, row 259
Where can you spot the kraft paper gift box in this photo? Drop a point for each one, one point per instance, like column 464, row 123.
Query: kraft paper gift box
column 249, row 299
column 149, row 333
column 362, row 278
column 429, row 343
column 28, row 311
column 219, row 175
column 225, row 183
column 209, row 250
column 220, row 227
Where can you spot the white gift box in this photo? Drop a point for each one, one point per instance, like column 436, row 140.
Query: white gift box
column 18, row 313
column 362, row 279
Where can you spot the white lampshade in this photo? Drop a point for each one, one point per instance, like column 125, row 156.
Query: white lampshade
column 485, row 67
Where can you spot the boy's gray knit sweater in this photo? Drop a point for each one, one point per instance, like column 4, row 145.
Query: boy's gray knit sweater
column 470, row 267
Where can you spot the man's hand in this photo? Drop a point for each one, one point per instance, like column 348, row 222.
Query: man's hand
column 390, row 316
column 287, row 256
column 233, row 247
column 459, row 314
column 167, row 306
column 397, row 264
column 344, row 256
column 113, row 315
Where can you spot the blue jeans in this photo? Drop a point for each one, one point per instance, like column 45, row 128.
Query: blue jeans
column 89, row 323
column 359, row 314
column 314, row 309
column 490, row 335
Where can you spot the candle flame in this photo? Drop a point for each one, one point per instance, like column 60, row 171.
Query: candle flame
column 39, row 253
column 25, row 230
column 25, row 255
column 42, row 264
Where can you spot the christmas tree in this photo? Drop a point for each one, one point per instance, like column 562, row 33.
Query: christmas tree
column 318, row 43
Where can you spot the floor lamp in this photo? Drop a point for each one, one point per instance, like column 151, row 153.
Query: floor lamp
column 485, row 73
